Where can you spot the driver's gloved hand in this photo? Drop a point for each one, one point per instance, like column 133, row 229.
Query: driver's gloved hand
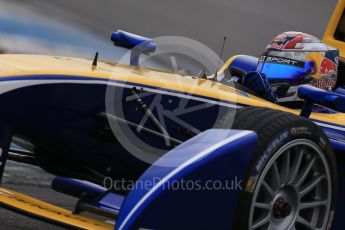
column 258, row 83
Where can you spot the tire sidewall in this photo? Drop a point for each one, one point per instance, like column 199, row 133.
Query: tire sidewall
column 264, row 153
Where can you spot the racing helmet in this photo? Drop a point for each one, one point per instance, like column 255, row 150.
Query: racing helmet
column 296, row 58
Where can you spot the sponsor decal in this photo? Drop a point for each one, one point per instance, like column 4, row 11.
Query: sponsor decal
column 328, row 67
column 268, row 152
column 281, row 60
column 300, row 130
column 325, row 83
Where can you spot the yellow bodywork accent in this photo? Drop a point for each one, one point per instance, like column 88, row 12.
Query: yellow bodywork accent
column 317, row 58
column 332, row 26
column 23, row 203
column 227, row 63
column 32, row 65
column 29, row 65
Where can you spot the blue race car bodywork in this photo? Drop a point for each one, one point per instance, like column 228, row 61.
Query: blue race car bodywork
column 60, row 110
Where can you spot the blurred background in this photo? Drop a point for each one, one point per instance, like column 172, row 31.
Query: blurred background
column 82, row 27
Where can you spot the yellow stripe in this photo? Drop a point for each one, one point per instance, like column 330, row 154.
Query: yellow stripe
column 227, row 63
column 24, row 203
column 15, row 65
column 332, row 26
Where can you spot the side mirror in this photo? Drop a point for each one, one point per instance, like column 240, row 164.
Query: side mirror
column 136, row 43
column 313, row 95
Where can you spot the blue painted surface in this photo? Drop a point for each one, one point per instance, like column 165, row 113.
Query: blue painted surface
column 316, row 95
column 111, row 201
column 69, row 110
column 73, row 77
column 137, row 43
column 129, row 40
column 340, row 90
column 245, row 62
column 338, row 145
column 77, row 188
column 163, row 208
column 89, row 193
column 332, row 132
column 321, row 109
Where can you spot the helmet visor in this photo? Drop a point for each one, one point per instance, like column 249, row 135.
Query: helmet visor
column 284, row 69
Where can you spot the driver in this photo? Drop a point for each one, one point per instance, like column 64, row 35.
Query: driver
column 290, row 60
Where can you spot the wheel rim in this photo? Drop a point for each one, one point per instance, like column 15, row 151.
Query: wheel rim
column 294, row 190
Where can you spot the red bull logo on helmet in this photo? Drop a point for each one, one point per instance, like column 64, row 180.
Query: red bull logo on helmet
column 328, row 67
column 325, row 83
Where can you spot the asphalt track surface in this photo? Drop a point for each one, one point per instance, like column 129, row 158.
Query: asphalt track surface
column 248, row 24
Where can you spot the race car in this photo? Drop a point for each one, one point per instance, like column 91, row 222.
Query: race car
column 176, row 140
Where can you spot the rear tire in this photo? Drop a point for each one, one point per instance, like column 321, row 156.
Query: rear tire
column 291, row 180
